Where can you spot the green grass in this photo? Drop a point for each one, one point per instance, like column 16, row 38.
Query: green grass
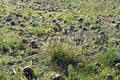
column 56, row 52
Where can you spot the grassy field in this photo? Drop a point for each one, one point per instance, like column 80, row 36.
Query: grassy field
column 78, row 39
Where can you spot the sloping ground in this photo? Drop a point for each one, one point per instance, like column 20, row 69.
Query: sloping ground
column 54, row 36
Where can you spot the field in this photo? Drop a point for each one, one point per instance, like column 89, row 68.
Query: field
column 78, row 39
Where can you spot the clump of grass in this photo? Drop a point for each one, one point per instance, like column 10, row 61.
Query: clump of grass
column 63, row 54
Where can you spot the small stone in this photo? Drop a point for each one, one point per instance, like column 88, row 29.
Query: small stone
column 101, row 32
column 65, row 21
column 25, row 41
column 92, row 27
column 20, row 33
column 116, row 61
column 12, row 23
column 57, row 77
column 117, row 66
column 29, row 73
column 19, row 15
column 84, row 29
column 80, row 20
column 54, row 21
column 80, row 65
column 112, row 21
column 22, row 25
column 97, row 64
column 109, row 77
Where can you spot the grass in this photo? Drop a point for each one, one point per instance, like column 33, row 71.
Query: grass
column 57, row 52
